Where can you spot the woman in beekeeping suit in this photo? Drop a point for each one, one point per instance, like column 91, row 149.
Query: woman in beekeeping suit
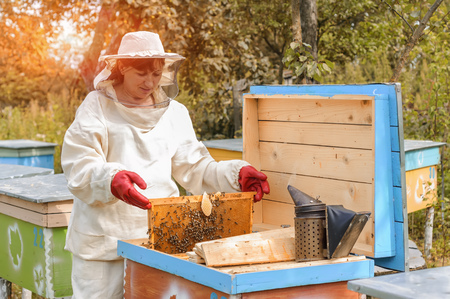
column 128, row 140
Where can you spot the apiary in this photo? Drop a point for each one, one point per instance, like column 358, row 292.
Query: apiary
column 340, row 143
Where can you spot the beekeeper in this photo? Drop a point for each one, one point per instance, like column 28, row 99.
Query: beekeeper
column 128, row 143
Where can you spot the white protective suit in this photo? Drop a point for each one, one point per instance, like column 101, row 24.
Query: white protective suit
column 158, row 144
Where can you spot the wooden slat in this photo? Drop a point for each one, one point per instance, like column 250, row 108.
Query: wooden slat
column 257, row 212
column 44, row 220
column 322, row 110
column 43, row 208
column 357, row 97
column 336, row 163
column 141, row 281
column 262, row 227
column 277, row 213
column 194, row 257
column 286, row 265
column 263, row 235
column 334, row 290
column 23, row 214
column 32, row 206
column 57, row 220
column 250, row 132
column 351, row 136
column 64, row 206
column 249, row 252
column 359, row 196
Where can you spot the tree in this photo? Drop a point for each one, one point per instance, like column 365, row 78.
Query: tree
column 29, row 50
column 416, row 35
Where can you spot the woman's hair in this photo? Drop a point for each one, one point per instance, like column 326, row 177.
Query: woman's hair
column 141, row 64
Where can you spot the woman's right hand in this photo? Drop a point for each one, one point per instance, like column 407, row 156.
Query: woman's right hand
column 122, row 187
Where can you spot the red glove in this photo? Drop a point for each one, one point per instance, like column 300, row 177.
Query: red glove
column 251, row 179
column 122, row 187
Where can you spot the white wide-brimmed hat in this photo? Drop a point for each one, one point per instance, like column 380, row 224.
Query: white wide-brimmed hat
column 144, row 44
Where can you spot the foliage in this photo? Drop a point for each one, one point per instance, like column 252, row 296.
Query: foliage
column 300, row 60
column 41, row 123
column 27, row 61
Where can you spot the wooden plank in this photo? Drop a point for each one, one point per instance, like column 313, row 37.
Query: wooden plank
column 248, row 252
column 277, row 213
column 43, row 208
column 262, row 227
column 22, row 214
column 336, row 290
column 32, row 206
column 44, row 220
column 337, row 163
column 194, row 257
column 257, row 211
column 250, row 132
column 58, row 220
column 351, row 136
column 258, row 236
column 286, row 265
column 138, row 276
column 318, row 96
column 64, row 206
column 177, row 223
column 358, row 196
column 264, row 235
column 317, row 109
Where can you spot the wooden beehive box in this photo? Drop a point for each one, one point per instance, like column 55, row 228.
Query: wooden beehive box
column 177, row 223
column 325, row 146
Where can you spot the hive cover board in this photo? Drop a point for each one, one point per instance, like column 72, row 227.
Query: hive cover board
column 341, row 143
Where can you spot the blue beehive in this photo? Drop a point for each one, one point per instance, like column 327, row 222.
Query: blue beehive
column 27, row 152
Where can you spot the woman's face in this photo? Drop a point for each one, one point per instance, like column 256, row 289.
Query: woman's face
column 140, row 84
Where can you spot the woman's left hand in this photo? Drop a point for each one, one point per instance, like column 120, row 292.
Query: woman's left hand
column 251, row 179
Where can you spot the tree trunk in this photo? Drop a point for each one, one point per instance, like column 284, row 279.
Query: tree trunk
column 296, row 22
column 304, row 27
column 309, row 24
column 413, row 41
column 89, row 64
column 428, row 239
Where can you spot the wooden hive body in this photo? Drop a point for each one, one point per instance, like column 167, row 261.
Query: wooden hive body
column 325, row 146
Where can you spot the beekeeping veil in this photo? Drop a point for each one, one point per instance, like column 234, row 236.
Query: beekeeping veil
column 144, row 44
